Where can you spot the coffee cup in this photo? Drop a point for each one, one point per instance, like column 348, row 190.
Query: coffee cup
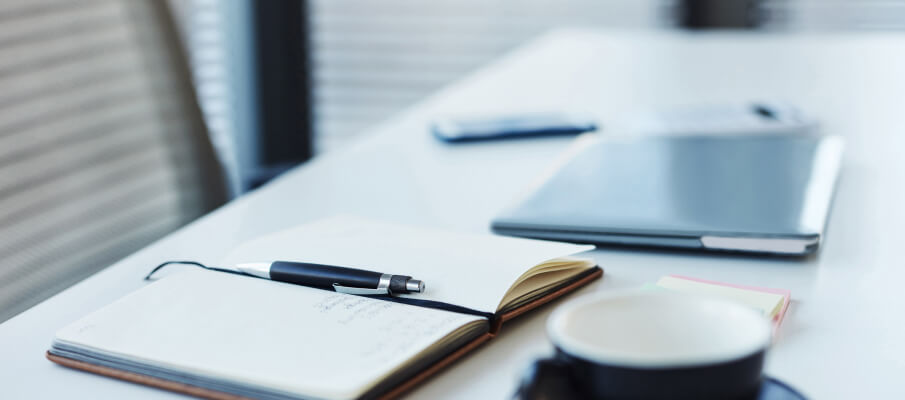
column 651, row 345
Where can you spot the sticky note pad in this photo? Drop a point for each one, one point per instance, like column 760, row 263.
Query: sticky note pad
column 771, row 302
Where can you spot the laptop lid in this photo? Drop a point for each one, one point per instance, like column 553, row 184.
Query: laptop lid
column 754, row 193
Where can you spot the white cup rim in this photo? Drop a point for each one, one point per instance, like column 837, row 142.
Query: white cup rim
column 754, row 332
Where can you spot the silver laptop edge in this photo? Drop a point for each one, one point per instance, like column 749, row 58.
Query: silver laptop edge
column 775, row 245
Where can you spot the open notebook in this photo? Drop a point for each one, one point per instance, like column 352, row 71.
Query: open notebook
column 220, row 335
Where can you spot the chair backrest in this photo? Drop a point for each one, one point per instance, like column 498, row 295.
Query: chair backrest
column 102, row 144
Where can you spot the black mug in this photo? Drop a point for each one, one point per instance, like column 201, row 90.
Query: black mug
column 651, row 345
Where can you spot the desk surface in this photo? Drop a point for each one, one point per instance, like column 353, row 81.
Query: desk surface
column 843, row 336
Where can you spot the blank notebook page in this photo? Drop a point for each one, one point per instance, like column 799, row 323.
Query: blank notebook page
column 289, row 338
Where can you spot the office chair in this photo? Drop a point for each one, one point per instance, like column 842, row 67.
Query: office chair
column 102, row 143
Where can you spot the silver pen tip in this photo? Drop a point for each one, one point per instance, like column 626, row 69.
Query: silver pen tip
column 414, row 286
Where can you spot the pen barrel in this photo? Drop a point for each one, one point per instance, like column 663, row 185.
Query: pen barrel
column 322, row 276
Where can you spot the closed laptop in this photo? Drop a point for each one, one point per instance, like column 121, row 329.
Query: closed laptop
column 755, row 193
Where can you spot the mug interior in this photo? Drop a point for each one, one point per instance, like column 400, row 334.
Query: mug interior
column 658, row 330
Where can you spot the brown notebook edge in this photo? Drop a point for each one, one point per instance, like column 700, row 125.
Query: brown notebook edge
column 595, row 273
column 143, row 379
column 397, row 391
column 465, row 350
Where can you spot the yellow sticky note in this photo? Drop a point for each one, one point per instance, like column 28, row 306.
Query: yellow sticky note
column 769, row 304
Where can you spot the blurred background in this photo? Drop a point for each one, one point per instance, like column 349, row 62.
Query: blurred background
column 121, row 121
column 363, row 61
column 366, row 60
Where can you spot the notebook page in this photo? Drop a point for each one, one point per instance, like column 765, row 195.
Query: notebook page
column 468, row 270
column 290, row 338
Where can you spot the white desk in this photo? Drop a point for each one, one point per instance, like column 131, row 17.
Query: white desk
column 843, row 336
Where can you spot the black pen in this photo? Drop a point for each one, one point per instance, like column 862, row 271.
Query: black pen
column 340, row 279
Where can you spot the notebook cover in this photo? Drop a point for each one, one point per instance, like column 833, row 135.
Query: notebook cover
column 411, row 383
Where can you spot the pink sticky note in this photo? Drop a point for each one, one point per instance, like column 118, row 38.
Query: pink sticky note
column 785, row 293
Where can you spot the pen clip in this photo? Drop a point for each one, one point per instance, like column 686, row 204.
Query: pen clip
column 360, row 291
column 383, row 287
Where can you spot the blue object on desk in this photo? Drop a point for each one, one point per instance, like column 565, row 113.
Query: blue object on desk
column 726, row 119
column 511, row 126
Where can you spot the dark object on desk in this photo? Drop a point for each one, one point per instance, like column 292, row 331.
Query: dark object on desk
column 511, row 126
column 726, row 119
column 340, row 279
column 540, row 383
column 759, row 194
column 703, row 348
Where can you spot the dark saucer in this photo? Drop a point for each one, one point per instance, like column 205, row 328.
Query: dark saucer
column 775, row 389
column 542, row 386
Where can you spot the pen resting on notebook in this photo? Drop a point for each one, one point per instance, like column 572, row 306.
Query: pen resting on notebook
column 340, row 279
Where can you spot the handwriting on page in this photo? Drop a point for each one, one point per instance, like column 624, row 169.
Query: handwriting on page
column 393, row 328
column 352, row 308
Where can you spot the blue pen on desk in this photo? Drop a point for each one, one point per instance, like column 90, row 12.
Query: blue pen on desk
column 340, row 279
